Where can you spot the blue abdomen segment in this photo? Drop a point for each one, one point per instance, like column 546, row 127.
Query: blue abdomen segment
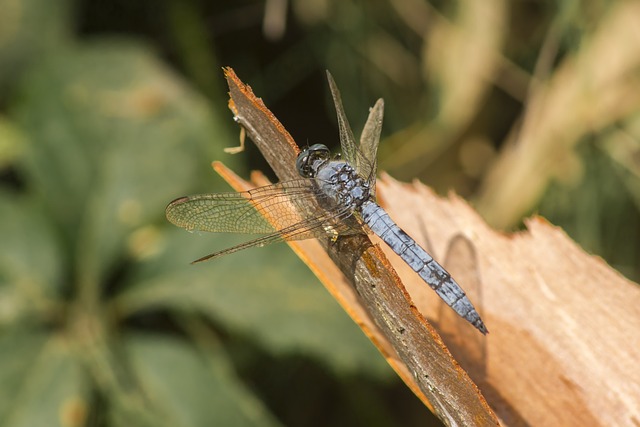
column 421, row 262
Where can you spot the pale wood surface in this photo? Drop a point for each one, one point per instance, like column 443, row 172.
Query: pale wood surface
column 564, row 341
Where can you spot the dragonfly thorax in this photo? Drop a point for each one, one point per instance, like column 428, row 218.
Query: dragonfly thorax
column 337, row 180
column 340, row 182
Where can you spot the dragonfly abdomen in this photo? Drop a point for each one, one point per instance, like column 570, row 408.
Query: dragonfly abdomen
column 421, row 262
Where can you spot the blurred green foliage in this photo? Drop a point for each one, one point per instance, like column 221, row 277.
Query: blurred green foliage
column 111, row 109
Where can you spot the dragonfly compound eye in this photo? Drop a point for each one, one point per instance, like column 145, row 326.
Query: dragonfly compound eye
column 310, row 159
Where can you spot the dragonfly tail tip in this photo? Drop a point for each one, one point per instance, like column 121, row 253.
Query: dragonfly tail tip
column 482, row 328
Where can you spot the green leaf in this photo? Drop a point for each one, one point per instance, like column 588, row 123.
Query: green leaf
column 28, row 30
column 31, row 261
column 106, row 119
column 11, row 143
column 42, row 383
column 266, row 293
column 188, row 388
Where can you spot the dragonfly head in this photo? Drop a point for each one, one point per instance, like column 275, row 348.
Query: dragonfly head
column 310, row 160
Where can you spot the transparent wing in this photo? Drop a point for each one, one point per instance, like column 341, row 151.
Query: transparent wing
column 362, row 156
column 306, row 229
column 273, row 210
column 262, row 210
column 347, row 141
column 366, row 162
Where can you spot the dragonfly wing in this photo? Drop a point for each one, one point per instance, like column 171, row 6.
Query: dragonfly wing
column 262, row 210
column 347, row 141
column 363, row 156
column 276, row 211
column 366, row 161
column 306, row 229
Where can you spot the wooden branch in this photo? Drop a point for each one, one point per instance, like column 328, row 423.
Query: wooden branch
column 360, row 277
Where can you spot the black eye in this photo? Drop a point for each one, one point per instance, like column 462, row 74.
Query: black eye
column 308, row 157
column 317, row 148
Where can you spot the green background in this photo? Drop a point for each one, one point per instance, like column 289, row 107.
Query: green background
column 111, row 109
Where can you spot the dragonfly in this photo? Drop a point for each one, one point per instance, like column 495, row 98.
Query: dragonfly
column 341, row 192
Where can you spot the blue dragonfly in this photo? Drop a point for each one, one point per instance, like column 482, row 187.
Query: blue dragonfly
column 342, row 192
